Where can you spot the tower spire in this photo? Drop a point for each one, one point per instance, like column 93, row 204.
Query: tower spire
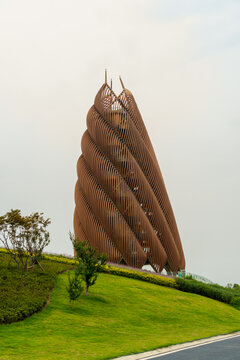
column 121, row 82
column 105, row 76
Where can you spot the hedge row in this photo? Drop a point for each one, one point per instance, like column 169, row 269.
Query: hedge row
column 60, row 259
column 3, row 250
column 151, row 278
column 212, row 291
column 200, row 288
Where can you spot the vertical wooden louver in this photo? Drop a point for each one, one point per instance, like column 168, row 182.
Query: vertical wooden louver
column 122, row 206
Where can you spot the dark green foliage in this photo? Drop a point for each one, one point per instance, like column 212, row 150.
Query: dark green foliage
column 235, row 302
column 236, row 287
column 188, row 277
column 24, row 293
column 90, row 262
column 74, row 287
column 213, row 291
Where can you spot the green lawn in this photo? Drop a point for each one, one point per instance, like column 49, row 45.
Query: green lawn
column 120, row 316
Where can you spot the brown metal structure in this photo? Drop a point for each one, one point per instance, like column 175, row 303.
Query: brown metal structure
column 122, row 206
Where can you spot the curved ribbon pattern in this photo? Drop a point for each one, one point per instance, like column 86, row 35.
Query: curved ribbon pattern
column 122, row 206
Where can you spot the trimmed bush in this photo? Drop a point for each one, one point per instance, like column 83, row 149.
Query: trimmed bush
column 24, row 293
column 151, row 278
column 60, row 259
column 196, row 287
column 74, row 287
column 235, row 302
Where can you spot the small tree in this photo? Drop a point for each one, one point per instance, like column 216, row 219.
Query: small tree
column 89, row 260
column 12, row 228
column 36, row 236
column 24, row 237
column 74, row 287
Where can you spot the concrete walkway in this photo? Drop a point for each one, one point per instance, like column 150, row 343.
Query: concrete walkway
column 175, row 348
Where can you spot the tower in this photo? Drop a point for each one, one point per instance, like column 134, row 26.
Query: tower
column 122, row 206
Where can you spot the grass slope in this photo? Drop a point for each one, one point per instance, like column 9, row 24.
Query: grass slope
column 120, row 316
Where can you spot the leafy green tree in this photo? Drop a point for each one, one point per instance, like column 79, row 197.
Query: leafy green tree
column 12, row 228
column 36, row 236
column 24, row 237
column 89, row 262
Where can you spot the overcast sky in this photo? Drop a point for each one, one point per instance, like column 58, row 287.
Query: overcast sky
column 181, row 61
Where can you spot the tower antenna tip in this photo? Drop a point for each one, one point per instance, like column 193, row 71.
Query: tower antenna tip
column 105, row 76
column 121, row 82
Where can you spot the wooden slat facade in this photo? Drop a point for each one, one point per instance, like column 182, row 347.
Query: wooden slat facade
column 122, row 206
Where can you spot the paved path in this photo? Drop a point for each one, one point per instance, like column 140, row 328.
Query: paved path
column 223, row 347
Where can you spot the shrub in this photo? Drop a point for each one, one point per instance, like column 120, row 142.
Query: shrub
column 60, row 259
column 74, row 287
column 236, row 287
column 235, row 302
column 154, row 279
column 89, row 262
column 24, row 293
column 200, row 288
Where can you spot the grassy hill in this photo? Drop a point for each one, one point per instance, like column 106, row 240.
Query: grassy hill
column 120, row 316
